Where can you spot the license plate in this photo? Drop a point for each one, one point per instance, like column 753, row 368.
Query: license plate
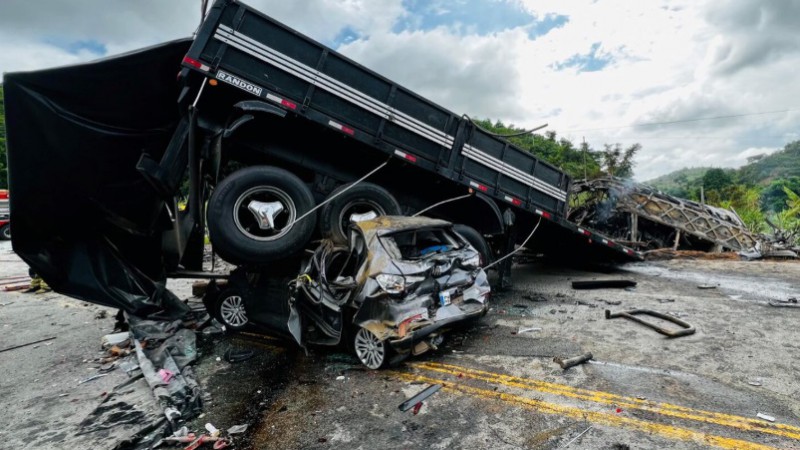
column 444, row 298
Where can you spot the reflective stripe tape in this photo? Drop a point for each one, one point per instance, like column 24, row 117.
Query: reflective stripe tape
column 260, row 51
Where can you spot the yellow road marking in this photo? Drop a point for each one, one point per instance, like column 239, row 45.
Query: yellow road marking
column 600, row 418
column 665, row 409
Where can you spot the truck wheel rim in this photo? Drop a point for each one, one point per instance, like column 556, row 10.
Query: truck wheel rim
column 370, row 350
column 250, row 224
column 357, row 207
column 232, row 311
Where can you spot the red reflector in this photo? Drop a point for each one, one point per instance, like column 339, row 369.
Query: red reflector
column 546, row 215
column 288, row 104
column 610, row 244
column 516, row 201
column 411, row 158
column 192, row 62
column 348, row 130
column 482, row 188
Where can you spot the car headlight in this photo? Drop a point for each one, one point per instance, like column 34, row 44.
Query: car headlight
column 472, row 261
column 395, row 284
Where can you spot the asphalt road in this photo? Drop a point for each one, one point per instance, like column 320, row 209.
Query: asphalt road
column 501, row 387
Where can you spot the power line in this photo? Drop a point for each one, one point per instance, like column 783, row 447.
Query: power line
column 700, row 119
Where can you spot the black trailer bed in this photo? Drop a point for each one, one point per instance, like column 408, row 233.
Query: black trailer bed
column 242, row 47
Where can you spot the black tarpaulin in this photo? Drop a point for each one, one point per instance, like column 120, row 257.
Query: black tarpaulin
column 84, row 217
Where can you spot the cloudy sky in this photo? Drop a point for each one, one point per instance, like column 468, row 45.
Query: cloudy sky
column 696, row 82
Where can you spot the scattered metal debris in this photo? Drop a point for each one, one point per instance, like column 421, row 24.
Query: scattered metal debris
column 603, row 284
column 420, row 397
column 235, row 356
column 525, row 330
column 686, row 328
column 576, row 437
column 707, row 286
column 766, row 417
column 790, row 303
column 642, row 217
column 756, row 382
column 93, row 377
column 25, row 345
column 574, row 361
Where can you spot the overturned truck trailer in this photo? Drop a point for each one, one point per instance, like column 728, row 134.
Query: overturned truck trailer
column 268, row 136
column 647, row 219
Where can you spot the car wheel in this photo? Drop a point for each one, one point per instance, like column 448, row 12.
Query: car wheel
column 364, row 199
column 230, row 310
column 252, row 213
column 475, row 239
column 370, row 350
column 5, row 232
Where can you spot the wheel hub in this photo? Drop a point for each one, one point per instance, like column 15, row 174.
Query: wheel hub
column 265, row 213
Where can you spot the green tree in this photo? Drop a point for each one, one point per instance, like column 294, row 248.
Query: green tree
column 618, row 162
column 576, row 161
column 716, row 180
column 3, row 157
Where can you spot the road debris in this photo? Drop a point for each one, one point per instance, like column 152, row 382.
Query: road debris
column 118, row 339
column 766, row 417
column 756, row 382
column 686, row 328
column 603, row 284
column 94, row 377
column 236, row 356
column 576, row 437
column 707, row 286
column 419, row 397
column 574, row 361
column 25, row 345
column 526, row 330
column 237, row 429
column 790, row 303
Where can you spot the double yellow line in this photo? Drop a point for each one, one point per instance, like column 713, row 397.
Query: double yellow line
column 619, row 401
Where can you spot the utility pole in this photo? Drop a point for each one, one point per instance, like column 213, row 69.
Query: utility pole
column 584, row 158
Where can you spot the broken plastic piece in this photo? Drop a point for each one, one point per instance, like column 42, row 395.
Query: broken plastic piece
column 166, row 375
column 111, row 340
column 603, row 284
column 765, row 417
column 706, row 286
column 235, row 356
column 212, row 429
column 567, row 363
column 686, row 329
column 417, row 407
column 420, row 397
column 236, row 429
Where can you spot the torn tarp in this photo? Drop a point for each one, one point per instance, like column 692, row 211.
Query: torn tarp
column 84, row 217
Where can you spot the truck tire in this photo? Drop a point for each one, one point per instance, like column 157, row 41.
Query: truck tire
column 251, row 215
column 5, row 232
column 363, row 198
column 475, row 239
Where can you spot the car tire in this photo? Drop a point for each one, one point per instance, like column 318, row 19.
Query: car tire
column 235, row 230
column 5, row 232
column 373, row 352
column 475, row 239
column 362, row 198
column 230, row 310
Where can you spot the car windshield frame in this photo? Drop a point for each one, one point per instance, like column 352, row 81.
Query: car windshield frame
column 452, row 240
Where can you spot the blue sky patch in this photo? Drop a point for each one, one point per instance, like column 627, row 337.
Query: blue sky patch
column 588, row 62
column 345, row 36
column 479, row 17
column 75, row 47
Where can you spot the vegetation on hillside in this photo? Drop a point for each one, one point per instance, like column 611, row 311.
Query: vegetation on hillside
column 578, row 161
